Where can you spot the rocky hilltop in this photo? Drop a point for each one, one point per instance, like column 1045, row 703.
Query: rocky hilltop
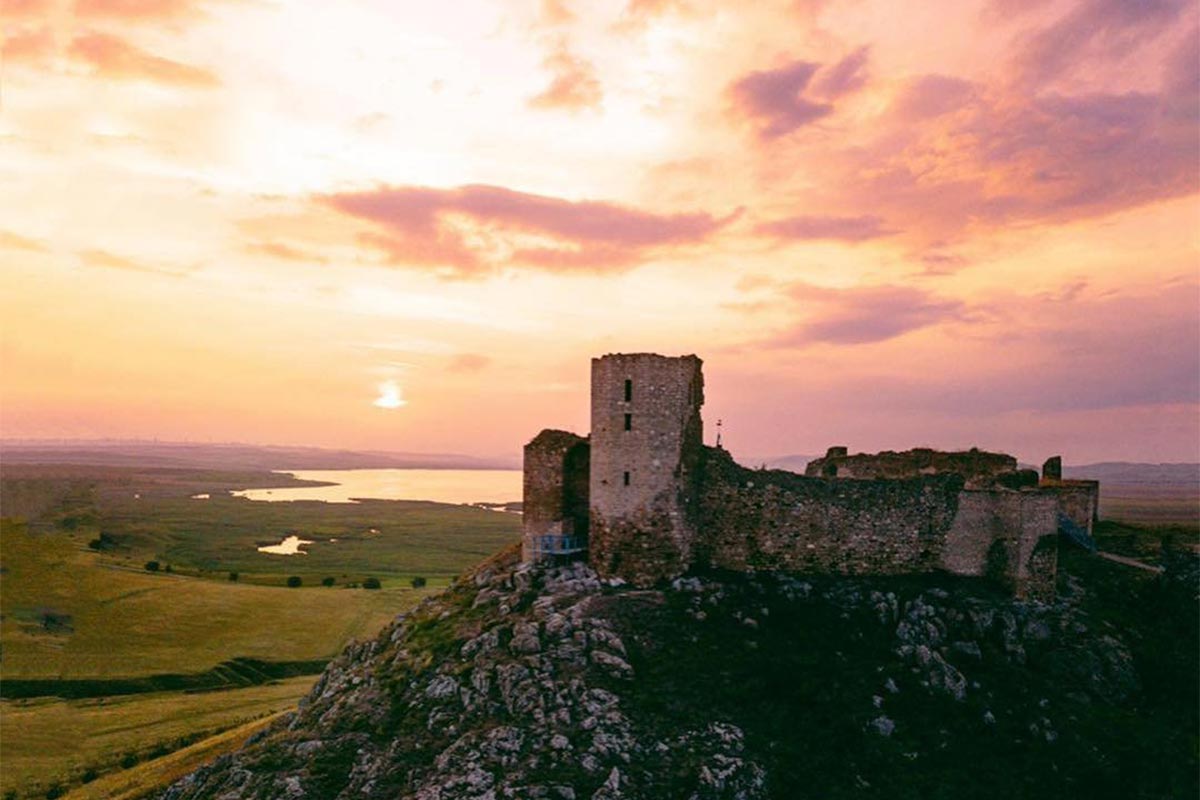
column 523, row 682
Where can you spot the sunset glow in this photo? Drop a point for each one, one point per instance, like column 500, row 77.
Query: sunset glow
column 881, row 225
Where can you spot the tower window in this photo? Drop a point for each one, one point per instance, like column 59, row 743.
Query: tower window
column 626, row 478
column 628, row 390
column 629, row 422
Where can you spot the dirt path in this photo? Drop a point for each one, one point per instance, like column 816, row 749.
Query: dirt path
column 1129, row 562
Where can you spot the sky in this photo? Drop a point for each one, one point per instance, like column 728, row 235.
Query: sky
column 411, row 225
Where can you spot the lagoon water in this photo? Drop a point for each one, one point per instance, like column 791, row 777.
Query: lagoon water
column 438, row 485
column 290, row 546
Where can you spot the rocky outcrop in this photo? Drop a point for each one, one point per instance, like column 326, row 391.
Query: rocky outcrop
column 549, row 682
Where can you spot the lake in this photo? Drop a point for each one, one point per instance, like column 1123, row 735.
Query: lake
column 438, row 485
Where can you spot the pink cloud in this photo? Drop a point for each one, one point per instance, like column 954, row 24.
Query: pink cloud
column 773, row 100
column 425, row 226
column 114, row 58
column 950, row 155
column 928, row 96
column 846, row 229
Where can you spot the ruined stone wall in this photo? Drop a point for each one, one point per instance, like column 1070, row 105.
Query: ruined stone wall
column 646, row 439
column 776, row 520
column 1077, row 499
column 555, row 498
column 976, row 466
column 1009, row 536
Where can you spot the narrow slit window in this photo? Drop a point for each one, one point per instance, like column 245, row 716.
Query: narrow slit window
column 628, row 390
column 626, row 478
column 629, row 422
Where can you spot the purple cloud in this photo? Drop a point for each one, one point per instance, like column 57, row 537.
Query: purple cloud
column 862, row 315
column 773, row 99
column 930, row 96
column 1112, row 27
column 846, row 76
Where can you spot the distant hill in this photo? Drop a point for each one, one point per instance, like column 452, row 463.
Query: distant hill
column 1127, row 473
column 231, row 456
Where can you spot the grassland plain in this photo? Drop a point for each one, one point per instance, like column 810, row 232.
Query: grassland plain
column 70, row 615
column 50, row 742
column 78, row 605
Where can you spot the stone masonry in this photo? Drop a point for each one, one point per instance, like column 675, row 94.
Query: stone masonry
column 659, row 503
column 646, row 440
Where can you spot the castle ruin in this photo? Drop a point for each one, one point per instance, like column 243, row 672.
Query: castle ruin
column 646, row 500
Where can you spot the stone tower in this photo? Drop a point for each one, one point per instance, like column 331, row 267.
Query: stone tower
column 646, row 441
column 554, row 521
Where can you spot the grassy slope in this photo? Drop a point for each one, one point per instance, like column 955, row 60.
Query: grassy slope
column 122, row 623
column 49, row 742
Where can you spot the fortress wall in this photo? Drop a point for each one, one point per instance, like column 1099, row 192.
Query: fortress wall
column 641, row 528
column 1010, row 536
column 777, row 520
column 1079, row 500
column 555, row 475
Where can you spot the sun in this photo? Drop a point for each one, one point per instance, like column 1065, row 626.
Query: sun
column 389, row 396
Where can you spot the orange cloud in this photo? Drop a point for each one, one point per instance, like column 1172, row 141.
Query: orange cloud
column 284, row 251
column 26, row 9
column 134, row 10
column 468, row 362
column 28, row 45
column 573, row 84
column 114, row 58
column 12, row 241
column 106, row 260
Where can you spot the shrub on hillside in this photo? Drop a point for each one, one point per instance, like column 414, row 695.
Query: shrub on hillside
column 328, row 581
column 294, row 581
column 152, row 566
column 104, row 542
column 372, row 583
column 233, row 576
column 418, row 582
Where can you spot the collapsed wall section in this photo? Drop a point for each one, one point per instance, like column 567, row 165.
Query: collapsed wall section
column 974, row 465
column 555, row 500
column 646, row 439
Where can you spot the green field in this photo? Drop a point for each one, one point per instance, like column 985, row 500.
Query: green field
column 80, row 608
column 49, row 742
column 71, row 613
